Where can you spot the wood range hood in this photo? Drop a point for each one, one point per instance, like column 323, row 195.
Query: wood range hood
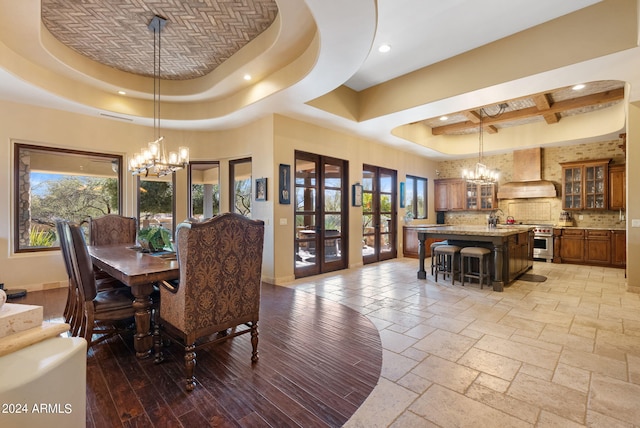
column 527, row 177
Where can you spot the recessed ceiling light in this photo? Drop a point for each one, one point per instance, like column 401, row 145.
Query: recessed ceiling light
column 443, row 118
column 122, row 92
column 247, row 77
column 578, row 87
column 384, row 48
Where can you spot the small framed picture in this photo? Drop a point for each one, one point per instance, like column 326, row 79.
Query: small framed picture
column 261, row 189
column 284, row 173
column 356, row 195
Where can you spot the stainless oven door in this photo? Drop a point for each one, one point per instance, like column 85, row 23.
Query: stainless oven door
column 543, row 247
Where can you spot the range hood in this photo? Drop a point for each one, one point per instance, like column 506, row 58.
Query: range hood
column 527, row 177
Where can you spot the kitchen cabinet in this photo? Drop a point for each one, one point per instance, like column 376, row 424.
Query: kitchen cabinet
column 617, row 187
column 520, row 248
column 597, row 247
column 619, row 248
column 480, row 196
column 449, row 194
column 410, row 241
column 585, row 185
column 601, row 247
column 572, row 245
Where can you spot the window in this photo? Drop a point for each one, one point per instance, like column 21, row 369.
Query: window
column 240, row 182
column 56, row 184
column 416, row 196
column 204, row 183
column 156, row 202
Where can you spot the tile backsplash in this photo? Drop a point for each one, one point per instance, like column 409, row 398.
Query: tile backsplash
column 541, row 210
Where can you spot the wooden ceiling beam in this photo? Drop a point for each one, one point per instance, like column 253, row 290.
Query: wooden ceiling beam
column 554, row 110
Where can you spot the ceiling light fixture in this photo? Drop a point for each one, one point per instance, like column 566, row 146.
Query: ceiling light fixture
column 152, row 160
column 481, row 174
column 384, row 48
column 247, row 77
column 122, row 93
column 578, row 87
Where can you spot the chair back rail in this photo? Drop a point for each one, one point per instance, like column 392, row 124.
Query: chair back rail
column 112, row 229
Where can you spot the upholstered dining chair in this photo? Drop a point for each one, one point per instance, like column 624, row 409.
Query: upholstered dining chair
column 112, row 229
column 220, row 263
column 98, row 312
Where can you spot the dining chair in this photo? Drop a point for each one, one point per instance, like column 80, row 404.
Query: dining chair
column 72, row 297
column 98, row 312
column 112, row 229
column 218, row 293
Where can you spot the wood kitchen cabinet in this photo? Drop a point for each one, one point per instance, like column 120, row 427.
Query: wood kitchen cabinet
column 572, row 245
column 597, row 247
column 602, row 247
column 619, row 248
column 617, row 187
column 449, row 194
column 585, row 185
column 410, row 242
column 480, row 196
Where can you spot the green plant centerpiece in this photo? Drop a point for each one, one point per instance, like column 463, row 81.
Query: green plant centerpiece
column 155, row 238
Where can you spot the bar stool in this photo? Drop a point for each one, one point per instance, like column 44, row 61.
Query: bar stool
column 433, row 257
column 467, row 255
column 446, row 256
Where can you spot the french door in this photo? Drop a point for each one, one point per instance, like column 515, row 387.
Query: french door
column 321, row 212
column 378, row 214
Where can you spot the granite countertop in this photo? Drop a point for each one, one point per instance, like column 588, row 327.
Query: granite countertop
column 500, row 230
column 591, row 228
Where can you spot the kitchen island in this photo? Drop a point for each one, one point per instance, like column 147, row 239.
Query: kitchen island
column 511, row 247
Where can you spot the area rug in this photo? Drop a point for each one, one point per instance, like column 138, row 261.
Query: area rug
column 529, row 277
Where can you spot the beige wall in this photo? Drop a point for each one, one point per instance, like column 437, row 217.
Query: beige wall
column 633, row 202
column 269, row 141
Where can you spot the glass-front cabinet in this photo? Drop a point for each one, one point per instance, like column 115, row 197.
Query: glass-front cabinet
column 480, row 196
column 585, row 185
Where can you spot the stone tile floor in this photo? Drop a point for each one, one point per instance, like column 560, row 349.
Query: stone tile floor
column 560, row 353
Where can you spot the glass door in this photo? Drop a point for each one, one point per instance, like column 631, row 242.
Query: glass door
column 321, row 200
column 378, row 214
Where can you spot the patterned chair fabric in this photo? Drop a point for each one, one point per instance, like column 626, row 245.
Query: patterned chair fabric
column 112, row 229
column 220, row 263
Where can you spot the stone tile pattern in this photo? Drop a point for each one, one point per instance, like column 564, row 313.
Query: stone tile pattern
column 563, row 352
column 541, row 210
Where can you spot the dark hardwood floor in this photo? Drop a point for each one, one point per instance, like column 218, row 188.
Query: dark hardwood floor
column 319, row 360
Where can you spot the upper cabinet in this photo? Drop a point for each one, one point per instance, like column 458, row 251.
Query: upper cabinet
column 617, row 187
column 585, row 185
column 455, row 194
column 480, row 196
column 449, row 194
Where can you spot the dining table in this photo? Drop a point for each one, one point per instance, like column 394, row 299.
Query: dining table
column 140, row 271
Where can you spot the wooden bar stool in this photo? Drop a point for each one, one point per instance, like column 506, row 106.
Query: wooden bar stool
column 467, row 255
column 446, row 256
column 433, row 257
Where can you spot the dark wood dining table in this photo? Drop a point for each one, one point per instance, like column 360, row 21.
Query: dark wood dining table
column 140, row 271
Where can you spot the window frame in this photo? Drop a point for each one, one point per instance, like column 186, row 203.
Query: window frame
column 190, row 184
column 18, row 147
column 232, row 184
column 414, row 190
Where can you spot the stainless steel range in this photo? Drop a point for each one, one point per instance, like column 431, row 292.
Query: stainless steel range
column 543, row 242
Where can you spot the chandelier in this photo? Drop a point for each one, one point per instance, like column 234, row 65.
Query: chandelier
column 481, row 174
column 153, row 160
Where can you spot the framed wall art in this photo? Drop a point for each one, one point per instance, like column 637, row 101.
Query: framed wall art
column 261, row 189
column 284, row 174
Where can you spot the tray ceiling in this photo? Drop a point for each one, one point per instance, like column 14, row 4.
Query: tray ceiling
column 199, row 35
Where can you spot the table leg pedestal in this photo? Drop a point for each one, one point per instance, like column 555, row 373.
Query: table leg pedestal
column 143, row 339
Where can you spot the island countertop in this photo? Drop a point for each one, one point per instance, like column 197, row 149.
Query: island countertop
column 471, row 230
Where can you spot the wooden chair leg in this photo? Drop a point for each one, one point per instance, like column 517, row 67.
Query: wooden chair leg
column 254, row 342
column 189, row 366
